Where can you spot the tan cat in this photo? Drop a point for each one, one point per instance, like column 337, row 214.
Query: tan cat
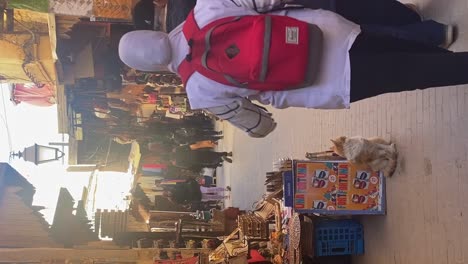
column 376, row 154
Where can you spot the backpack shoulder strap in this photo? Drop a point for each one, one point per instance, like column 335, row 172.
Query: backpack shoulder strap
column 185, row 70
column 282, row 6
column 190, row 26
column 189, row 29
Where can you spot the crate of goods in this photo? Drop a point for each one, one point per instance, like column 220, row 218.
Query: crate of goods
column 253, row 226
column 338, row 237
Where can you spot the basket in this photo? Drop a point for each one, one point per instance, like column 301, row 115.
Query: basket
column 339, row 237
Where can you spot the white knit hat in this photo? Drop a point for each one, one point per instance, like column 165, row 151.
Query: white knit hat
column 145, row 50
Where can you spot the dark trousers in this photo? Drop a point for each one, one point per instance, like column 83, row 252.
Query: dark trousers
column 384, row 64
column 367, row 12
column 384, row 17
column 207, row 157
column 376, row 12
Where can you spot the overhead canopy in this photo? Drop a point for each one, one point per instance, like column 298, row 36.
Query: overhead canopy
column 31, row 94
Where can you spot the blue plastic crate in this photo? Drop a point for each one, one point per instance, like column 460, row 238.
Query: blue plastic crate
column 338, row 237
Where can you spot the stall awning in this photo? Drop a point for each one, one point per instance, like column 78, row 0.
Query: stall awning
column 31, row 94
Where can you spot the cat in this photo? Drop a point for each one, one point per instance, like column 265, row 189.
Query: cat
column 376, row 153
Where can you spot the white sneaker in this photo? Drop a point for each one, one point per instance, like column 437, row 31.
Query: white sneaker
column 450, row 36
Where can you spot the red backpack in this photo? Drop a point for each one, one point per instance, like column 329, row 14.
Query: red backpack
column 260, row 52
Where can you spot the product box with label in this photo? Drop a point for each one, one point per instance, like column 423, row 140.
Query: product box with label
column 337, row 188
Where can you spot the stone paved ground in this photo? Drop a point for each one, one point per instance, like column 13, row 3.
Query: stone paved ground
column 427, row 199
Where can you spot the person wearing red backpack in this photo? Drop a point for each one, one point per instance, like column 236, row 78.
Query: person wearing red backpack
column 227, row 54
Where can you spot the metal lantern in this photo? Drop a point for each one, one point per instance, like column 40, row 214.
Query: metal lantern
column 39, row 154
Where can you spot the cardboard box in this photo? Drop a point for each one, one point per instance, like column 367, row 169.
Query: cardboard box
column 337, row 188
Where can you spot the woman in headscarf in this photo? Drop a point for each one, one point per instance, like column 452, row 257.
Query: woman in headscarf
column 192, row 158
column 184, row 192
column 355, row 64
column 143, row 15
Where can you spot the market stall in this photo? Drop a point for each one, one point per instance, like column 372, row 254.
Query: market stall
column 307, row 214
